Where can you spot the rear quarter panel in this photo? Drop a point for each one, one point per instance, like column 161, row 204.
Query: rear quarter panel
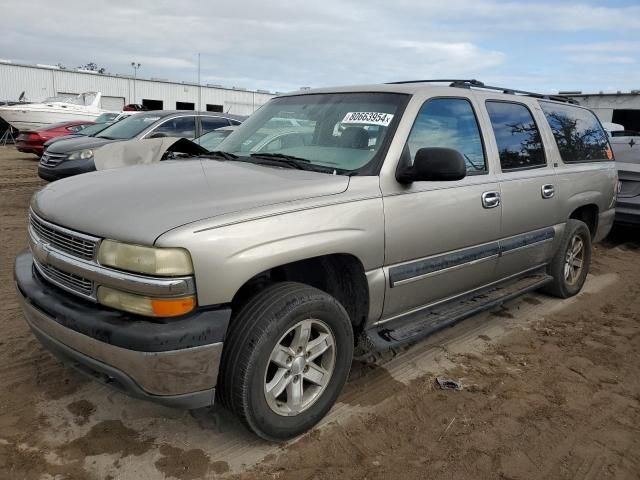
column 587, row 183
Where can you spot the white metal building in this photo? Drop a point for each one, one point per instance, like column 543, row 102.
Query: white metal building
column 621, row 108
column 42, row 81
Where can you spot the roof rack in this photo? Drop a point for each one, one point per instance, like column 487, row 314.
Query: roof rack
column 472, row 83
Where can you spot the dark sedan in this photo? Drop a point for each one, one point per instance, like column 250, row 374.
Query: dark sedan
column 75, row 155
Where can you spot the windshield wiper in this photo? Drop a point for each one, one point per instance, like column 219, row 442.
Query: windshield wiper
column 220, row 154
column 281, row 158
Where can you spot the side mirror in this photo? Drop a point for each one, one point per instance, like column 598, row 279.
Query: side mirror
column 434, row 164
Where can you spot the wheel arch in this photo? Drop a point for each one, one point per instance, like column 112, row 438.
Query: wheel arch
column 341, row 275
column 588, row 214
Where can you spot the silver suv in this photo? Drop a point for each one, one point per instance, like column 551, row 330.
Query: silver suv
column 252, row 276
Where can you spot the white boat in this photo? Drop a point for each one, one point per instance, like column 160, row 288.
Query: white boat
column 63, row 108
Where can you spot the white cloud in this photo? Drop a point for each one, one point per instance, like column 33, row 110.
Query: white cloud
column 283, row 45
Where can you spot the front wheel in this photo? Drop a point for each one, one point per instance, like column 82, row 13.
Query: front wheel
column 570, row 265
column 286, row 359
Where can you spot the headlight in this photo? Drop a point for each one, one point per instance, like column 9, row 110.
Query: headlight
column 150, row 307
column 81, row 155
column 153, row 261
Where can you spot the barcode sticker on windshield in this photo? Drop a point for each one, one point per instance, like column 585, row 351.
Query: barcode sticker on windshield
column 370, row 118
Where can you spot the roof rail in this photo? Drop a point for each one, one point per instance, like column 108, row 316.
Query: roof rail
column 471, row 83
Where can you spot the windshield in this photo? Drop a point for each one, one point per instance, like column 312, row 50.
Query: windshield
column 343, row 131
column 106, row 117
column 93, row 129
column 82, row 99
column 211, row 140
column 129, row 127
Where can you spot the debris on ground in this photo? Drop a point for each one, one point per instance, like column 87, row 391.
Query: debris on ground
column 448, row 384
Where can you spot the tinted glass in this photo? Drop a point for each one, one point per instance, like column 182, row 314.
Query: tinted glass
column 449, row 123
column 517, row 136
column 177, row 127
column 578, row 134
column 332, row 131
column 130, row 127
column 93, row 129
column 212, row 123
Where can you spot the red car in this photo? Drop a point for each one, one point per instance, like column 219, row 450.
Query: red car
column 33, row 142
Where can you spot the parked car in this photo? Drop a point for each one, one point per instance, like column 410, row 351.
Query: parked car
column 103, row 121
column 250, row 276
column 75, row 155
column 33, row 142
column 626, row 148
column 152, row 150
column 212, row 139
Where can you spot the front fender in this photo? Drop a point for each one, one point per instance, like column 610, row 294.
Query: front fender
column 226, row 257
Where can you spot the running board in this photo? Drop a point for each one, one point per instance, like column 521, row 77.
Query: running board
column 413, row 327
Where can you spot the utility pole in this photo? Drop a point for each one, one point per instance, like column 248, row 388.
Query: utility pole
column 135, row 66
column 199, row 86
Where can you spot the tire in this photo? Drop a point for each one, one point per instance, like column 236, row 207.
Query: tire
column 566, row 285
column 279, row 315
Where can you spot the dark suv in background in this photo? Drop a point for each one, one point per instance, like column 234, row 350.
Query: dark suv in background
column 75, row 155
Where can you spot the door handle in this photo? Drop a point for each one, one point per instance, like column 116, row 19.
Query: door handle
column 490, row 199
column 548, row 191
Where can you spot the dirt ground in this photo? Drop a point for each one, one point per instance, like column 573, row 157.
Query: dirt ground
column 551, row 390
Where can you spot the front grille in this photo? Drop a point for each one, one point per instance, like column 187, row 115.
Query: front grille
column 71, row 281
column 52, row 159
column 76, row 244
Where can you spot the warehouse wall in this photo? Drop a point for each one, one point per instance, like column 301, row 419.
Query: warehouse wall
column 39, row 83
column 604, row 105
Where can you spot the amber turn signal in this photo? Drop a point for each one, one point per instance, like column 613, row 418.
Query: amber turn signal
column 172, row 307
column 141, row 305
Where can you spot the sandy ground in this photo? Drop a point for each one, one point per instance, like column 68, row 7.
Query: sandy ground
column 551, row 389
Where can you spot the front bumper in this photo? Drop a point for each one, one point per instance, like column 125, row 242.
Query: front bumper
column 175, row 363
column 628, row 210
column 67, row 168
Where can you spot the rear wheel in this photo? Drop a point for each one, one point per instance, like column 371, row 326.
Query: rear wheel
column 286, row 359
column 570, row 265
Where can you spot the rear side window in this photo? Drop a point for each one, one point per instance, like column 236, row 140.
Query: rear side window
column 213, row 123
column 449, row 123
column 579, row 135
column 177, row 127
column 517, row 136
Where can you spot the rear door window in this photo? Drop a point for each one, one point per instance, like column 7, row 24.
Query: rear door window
column 212, row 123
column 517, row 135
column 578, row 133
column 449, row 123
column 184, row 127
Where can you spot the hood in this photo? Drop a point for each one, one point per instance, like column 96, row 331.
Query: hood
column 68, row 145
column 53, row 140
column 142, row 152
column 140, row 203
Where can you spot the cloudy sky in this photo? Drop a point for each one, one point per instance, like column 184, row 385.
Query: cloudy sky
column 283, row 45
